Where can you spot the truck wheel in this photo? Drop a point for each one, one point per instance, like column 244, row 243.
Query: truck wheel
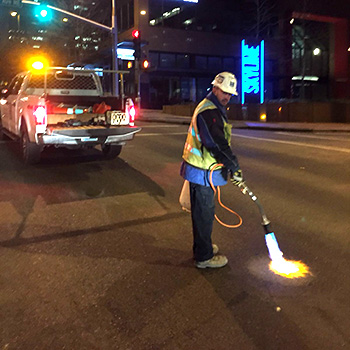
column 30, row 151
column 111, row 151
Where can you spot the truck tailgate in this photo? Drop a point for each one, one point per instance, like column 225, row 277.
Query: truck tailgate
column 57, row 135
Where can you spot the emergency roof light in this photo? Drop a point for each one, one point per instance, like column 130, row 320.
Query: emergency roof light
column 37, row 64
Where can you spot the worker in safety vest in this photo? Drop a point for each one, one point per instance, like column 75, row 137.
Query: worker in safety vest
column 208, row 143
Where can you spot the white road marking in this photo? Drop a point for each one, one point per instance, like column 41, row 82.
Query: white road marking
column 160, row 134
column 319, row 136
column 327, row 148
column 160, row 126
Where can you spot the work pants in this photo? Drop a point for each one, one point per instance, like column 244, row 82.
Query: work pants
column 202, row 212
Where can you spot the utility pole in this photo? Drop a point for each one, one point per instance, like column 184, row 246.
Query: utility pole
column 137, row 83
column 114, row 48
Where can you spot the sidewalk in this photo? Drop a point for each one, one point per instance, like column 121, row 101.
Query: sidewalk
column 154, row 115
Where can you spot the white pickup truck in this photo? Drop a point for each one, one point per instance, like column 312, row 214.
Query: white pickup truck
column 64, row 107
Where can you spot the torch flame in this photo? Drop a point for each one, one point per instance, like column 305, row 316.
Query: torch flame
column 281, row 266
column 289, row 268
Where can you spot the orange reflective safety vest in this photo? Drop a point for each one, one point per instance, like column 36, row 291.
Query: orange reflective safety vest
column 194, row 152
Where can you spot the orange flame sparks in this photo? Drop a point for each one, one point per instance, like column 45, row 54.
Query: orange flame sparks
column 289, row 268
column 279, row 265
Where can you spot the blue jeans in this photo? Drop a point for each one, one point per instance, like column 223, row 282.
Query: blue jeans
column 202, row 213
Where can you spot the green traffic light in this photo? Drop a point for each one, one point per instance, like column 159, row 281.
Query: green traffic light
column 43, row 13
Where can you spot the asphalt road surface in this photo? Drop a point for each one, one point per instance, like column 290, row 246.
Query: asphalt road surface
column 96, row 254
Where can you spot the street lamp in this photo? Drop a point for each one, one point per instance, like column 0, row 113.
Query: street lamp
column 16, row 14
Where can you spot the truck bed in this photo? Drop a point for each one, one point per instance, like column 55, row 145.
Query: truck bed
column 87, row 101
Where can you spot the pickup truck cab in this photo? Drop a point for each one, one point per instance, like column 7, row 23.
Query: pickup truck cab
column 64, row 107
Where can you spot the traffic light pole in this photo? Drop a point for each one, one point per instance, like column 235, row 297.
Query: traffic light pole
column 114, row 49
column 137, row 83
column 112, row 30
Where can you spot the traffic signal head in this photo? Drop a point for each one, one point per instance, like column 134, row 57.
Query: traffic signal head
column 43, row 13
column 136, row 35
column 145, row 64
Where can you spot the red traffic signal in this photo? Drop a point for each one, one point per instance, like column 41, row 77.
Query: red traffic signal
column 136, row 34
column 145, row 64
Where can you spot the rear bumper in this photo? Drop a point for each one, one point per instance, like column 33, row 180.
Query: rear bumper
column 87, row 135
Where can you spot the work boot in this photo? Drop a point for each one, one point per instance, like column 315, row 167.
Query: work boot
column 215, row 250
column 215, row 262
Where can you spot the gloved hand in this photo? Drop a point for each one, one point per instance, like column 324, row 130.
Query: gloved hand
column 237, row 177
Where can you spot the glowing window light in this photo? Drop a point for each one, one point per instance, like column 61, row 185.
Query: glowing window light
column 253, row 70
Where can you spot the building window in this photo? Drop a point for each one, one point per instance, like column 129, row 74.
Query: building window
column 167, row 60
column 229, row 64
column 125, row 15
column 183, row 61
column 271, row 67
column 201, row 62
column 171, row 13
column 131, row 13
column 214, row 63
column 154, row 58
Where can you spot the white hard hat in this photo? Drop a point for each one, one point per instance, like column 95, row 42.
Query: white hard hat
column 227, row 82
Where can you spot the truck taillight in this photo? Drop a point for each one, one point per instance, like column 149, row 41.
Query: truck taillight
column 130, row 111
column 40, row 115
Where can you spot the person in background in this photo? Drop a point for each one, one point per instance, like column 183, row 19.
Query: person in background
column 208, row 143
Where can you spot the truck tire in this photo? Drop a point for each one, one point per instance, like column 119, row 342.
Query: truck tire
column 111, row 151
column 30, row 151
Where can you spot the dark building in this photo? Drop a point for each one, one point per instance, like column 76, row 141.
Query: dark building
column 187, row 43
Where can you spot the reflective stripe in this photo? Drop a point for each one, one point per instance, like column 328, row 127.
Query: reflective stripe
column 194, row 153
column 193, row 132
column 193, row 150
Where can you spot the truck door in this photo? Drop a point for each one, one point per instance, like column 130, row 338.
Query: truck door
column 10, row 107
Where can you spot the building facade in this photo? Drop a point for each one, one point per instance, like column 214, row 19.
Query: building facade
column 187, row 47
column 307, row 45
column 187, row 43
